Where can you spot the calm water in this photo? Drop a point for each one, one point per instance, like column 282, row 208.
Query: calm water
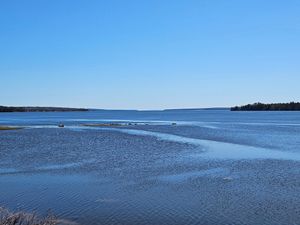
column 212, row 167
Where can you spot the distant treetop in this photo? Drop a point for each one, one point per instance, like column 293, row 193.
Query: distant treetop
column 38, row 109
column 292, row 106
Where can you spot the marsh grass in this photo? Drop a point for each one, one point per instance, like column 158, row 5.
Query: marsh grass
column 9, row 128
column 22, row 218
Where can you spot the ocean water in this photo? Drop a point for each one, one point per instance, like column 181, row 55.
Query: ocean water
column 211, row 167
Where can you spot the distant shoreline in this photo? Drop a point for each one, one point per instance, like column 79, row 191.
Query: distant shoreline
column 292, row 106
column 40, row 109
column 196, row 109
column 66, row 109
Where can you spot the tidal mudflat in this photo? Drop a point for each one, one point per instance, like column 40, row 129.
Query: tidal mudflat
column 191, row 167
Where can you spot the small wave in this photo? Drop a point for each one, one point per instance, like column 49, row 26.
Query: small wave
column 214, row 172
column 267, row 124
column 59, row 166
column 65, row 166
column 8, row 170
column 210, row 125
column 50, row 167
column 107, row 200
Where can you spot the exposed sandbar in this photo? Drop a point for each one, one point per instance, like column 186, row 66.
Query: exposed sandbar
column 10, row 128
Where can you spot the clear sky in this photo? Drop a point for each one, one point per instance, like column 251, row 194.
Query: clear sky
column 149, row 54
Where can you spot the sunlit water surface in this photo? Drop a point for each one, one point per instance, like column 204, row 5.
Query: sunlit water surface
column 212, row 167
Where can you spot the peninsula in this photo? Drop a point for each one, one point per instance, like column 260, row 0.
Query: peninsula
column 292, row 106
column 38, row 109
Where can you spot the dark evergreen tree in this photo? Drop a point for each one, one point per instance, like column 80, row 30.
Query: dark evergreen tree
column 292, row 106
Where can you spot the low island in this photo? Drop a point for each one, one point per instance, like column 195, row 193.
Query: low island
column 38, row 109
column 9, row 128
column 292, row 106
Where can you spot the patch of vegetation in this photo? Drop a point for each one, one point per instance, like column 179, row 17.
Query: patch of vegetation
column 9, row 128
column 38, row 109
column 292, row 106
column 22, row 218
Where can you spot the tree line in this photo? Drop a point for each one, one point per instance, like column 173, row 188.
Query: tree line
column 292, row 106
column 38, row 109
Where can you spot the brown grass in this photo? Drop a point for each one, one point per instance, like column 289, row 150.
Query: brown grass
column 22, row 218
column 9, row 128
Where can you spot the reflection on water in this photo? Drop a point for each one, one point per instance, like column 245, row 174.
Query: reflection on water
column 209, row 168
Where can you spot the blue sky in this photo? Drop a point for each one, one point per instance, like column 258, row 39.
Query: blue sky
column 149, row 54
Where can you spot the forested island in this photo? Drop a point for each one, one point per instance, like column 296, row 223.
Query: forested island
column 38, row 109
column 292, row 106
